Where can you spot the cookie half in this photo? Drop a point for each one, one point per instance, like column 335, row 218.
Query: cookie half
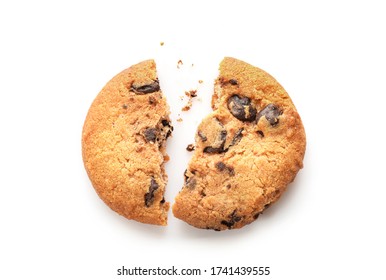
column 123, row 144
column 247, row 150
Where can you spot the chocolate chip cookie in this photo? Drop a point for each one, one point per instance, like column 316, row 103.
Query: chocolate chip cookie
column 246, row 151
column 123, row 144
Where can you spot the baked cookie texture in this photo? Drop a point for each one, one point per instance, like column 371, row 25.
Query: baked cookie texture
column 123, row 144
column 247, row 150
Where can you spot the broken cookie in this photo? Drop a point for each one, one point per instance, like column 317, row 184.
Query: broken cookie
column 246, row 151
column 127, row 123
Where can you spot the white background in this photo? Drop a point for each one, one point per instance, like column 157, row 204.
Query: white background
column 56, row 56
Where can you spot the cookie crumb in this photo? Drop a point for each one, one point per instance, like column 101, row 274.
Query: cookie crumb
column 152, row 100
column 179, row 120
column 200, row 81
column 190, row 148
column 179, row 63
column 190, row 94
column 161, row 43
column 187, row 107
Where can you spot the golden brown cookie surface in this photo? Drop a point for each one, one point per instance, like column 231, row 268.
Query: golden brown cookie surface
column 247, row 150
column 123, row 144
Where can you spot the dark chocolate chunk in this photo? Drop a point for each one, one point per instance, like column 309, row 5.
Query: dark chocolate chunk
column 150, row 134
column 220, row 134
column 190, row 148
column 211, row 150
column 167, row 127
column 220, row 149
column 202, row 136
column 145, row 89
column 233, row 218
column 169, row 132
column 242, row 108
column 267, row 206
column 260, row 133
column 152, row 100
column 220, row 166
column 149, row 196
column 165, row 123
column 271, row 113
column 256, row 216
column 233, row 82
column 163, row 200
column 190, row 182
column 231, row 170
column 223, row 135
column 236, row 139
column 159, row 133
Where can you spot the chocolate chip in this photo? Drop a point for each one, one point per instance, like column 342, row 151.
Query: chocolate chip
column 267, row 206
column 220, row 166
column 163, row 200
column 190, row 148
column 190, row 182
column 211, row 150
column 159, row 133
column 165, row 123
column 260, row 133
column 202, row 136
column 150, row 134
column 149, row 196
column 152, row 100
column 215, row 136
column 223, row 167
column 271, row 113
column 242, row 108
column 256, row 216
column 185, row 175
column 167, row 128
column 233, row 218
column 169, row 132
column 237, row 137
column 145, row 89
column 220, row 149
column 223, row 135
column 233, row 82
column 226, row 223
column 231, row 170
column 124, row 106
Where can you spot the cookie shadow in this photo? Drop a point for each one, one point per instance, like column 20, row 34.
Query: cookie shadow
column 144, row 230
column 288, row 199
